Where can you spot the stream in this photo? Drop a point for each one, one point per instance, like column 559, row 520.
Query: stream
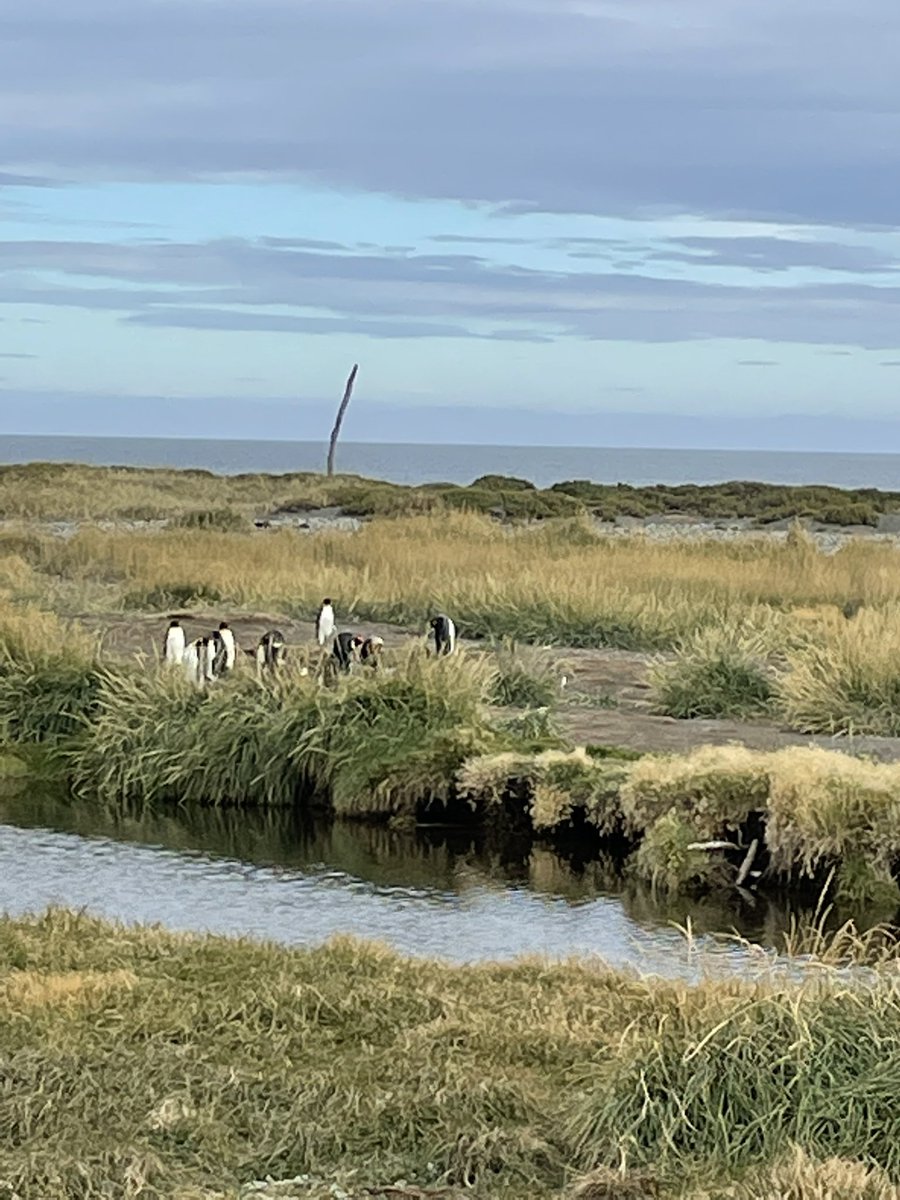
column 439, row 892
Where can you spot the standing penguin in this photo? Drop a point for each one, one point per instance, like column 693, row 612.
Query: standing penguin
column 324, row 622
column 346, row 649
column 196, row 661
column 174, row 642
column 227, row 637
column 444, row 634
column 217, row 654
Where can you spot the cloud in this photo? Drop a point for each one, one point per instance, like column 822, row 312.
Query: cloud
column 236, row 283
column 9, row 354
column 774, row 254
column 757, row 362
column 782, row 111
column 229, row 319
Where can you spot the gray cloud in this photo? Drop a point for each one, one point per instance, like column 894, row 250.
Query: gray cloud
column 198, row 285
column 10, row 354
column 626, row 106
column 757, row 362
column 774, row 254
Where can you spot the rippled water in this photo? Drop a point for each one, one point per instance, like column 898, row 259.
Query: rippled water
column 436, row 892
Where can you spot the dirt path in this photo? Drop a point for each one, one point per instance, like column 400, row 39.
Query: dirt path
column 607, row 701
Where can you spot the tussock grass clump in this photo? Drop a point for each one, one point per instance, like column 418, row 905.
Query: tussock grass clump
column 735, row 1077
column 222, row 519
column 527, row 677
column 48, row 675
column 374, row 745
column 556, row 783
column 718, row 672
column 849, row 683
column 715, row 788
column 827, row 806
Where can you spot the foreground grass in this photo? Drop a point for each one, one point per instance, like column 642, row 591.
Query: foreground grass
column 142, row 1063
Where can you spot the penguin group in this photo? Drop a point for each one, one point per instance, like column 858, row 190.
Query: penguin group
column 207, row 658
column 204, row 659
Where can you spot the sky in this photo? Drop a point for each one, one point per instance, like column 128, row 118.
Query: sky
column 526, row 220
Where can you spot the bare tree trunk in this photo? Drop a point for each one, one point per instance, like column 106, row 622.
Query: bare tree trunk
column 332, row 445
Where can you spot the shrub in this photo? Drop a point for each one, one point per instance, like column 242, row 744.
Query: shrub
column 168, row 596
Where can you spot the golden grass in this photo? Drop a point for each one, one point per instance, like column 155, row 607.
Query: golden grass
column 31, row 989
column 559, row 581
column 556, row 782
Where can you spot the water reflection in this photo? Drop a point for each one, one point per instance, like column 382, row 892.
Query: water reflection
column 438, row 891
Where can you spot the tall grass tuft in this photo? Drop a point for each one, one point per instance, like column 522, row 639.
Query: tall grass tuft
column 732, row 1077
column 48, row 676
column 849, row 683
column 527, row 677
column 717, row 672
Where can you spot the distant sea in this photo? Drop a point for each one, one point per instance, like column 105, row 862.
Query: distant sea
column 462, row 464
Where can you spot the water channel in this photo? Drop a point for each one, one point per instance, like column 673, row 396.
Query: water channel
column 438, row 892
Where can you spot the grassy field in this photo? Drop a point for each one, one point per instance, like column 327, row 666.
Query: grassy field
column 139, row 1063
column 751, row 627
column 560, row 581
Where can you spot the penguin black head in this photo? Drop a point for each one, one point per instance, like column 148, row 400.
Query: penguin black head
column 326, row 601
column 223, row 624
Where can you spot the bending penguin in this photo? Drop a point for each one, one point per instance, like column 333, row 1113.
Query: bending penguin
column 370, row 651
column 346, row 649
column 324, row 622
column 271, row 651
column 174, row 642
column 444, row 633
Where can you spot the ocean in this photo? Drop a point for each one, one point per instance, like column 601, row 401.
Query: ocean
column 461, row 464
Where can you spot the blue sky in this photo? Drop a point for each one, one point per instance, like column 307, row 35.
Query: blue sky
column 639, row 210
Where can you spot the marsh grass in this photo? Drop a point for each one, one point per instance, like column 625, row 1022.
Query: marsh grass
column 556, row 784
column 188, row 1066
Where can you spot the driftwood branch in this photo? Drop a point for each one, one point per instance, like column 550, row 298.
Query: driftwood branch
column 332, row 445
column 747, row 863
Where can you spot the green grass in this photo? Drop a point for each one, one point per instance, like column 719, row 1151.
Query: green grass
column 139, row 1063
column 375, row 745
column 70, row 490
